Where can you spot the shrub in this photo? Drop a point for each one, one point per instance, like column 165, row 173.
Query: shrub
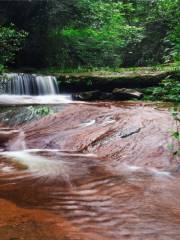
column 11, row 42
column 168, row 90
column 99, row 42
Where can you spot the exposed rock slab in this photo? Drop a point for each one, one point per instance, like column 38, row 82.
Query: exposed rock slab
column 97, row 171
column 67, row 132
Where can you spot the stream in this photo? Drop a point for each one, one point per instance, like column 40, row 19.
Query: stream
column 90, row 171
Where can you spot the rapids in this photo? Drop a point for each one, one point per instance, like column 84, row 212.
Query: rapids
column 97, row 171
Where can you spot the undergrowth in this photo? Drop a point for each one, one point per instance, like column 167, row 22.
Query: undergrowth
column 174, row 147
column 163, row 67
column 168, row 91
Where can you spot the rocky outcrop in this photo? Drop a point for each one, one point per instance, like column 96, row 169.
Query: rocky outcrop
column 116, row 94
column 10, row 137
column 92, row 95
column 107, row 81
column 126, row 93
column 3, row 84
column 124, row 130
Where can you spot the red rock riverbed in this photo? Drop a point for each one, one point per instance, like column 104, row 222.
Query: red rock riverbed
column 98, row 171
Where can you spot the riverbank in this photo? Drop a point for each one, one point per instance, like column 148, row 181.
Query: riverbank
column 74, row 80
column 160, row 83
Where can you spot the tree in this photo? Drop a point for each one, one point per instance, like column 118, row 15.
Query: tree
column 95, row 32
column 160, row 20
column 11, row 42
column 98, row 41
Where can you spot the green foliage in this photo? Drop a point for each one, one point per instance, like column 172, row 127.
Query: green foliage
column 168, row 90
column 173, row 52
column 43, row 111
column 173, row 67
column 11, row 42
column 160, row 20
column 2, row 68
column 112, row 33
column 170, row 12
column 99, row 43
column 175, row 146
column 93, row 33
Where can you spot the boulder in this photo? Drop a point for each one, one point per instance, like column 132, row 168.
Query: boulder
column 86, row 96
column 116, row 94
column 92, row 95
column 126, row 94
column 7, row 134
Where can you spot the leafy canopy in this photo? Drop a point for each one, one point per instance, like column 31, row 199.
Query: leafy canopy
column 100, row 40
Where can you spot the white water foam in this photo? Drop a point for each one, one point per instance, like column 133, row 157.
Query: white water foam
column 42, row 166
column 10, row 100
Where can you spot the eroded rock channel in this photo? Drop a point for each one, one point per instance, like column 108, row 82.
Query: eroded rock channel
column 98, row 171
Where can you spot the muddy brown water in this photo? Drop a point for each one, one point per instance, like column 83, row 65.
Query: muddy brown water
column 93, row 172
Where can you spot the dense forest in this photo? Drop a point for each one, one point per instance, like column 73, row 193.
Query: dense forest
column 88, row 33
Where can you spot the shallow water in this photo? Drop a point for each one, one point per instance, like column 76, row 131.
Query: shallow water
column 92, row 171
column 108, row 199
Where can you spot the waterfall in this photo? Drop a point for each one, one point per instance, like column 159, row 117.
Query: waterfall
column 30, row 84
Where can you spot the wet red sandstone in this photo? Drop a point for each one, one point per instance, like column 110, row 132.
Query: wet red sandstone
column 149, row 132
column 129, row 190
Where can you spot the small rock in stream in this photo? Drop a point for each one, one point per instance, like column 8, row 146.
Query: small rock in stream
column 116, row 94
column 126, row 93
column 129, row 131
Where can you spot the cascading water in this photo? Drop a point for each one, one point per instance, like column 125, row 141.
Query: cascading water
column 30, row 89
column 30, row 84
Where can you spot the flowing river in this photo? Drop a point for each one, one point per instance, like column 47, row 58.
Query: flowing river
column 89, row 171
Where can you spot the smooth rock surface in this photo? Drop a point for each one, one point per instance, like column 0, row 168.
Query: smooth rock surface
column 94, row 171
column 126, row 94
